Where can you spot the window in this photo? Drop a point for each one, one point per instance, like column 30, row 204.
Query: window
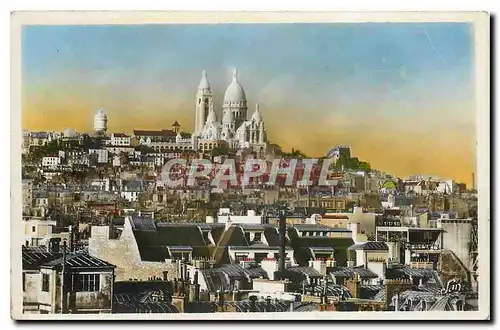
column 258, row 237
column 45, row 282
column 86, row 282
column 33, row 229
column 24, row 282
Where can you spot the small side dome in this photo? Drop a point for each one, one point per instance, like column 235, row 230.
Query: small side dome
column 212, row 117
column 257, row 117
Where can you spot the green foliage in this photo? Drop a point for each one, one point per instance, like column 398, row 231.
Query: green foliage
column 220, row 151
column 352, row 163
column 295, row 153
column 37, row 153
column 144, row 149
column 185, row 135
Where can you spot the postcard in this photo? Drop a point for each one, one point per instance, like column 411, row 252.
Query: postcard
column 250, row 165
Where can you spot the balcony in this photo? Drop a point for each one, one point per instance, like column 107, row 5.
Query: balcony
column 422, row 265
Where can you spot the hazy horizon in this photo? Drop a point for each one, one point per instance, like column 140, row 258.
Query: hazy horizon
column 401, row 95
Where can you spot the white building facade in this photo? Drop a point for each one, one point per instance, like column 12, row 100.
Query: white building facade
column 235, row 129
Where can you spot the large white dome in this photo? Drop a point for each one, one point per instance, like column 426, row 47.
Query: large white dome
column 234, row 92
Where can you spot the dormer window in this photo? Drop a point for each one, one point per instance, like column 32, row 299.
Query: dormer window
column 257, row 237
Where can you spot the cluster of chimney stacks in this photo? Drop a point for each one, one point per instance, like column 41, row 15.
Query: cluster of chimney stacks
column 183, row 287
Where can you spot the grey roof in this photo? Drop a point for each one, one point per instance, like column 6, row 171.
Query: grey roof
column 398, row 271
column 153, row 240
column 143, row 223
column 79, row 260
column 305, row 307
column 33, row 259
column 218, row 278
column 179, row 248
column 322, row 248
column 260, row 306
column 370, row 291
column 254, row 226
column 350, row 271
column 372, row 246
column 380, row 296
column 414, row 295
column 308, row 271
column 332, row 290
column 124, row 304
column 202, row 225
column 440, row 304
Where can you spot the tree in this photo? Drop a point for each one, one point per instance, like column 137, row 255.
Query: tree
column 220, row 151
column 295, row 153
column 185, row 135
column 144, row 149
column 365, row 166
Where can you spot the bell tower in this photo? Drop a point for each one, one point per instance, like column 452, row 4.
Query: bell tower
column 204, row 103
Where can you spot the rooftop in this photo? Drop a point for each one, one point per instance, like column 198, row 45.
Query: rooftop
column 162, row 133
column 79, row 260
column 372, row 246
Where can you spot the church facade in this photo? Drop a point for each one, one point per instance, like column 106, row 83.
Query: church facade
column 235, row 129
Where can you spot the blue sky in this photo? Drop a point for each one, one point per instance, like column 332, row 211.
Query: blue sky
column 314, row 73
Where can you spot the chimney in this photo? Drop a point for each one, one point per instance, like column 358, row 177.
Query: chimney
column 268, row 304
column 175, row 288
column 192, row 293
column 197, row 286
column 394, row 287
column 353, row 285
column 195, row 279
column 63, row 278
column 282, row 230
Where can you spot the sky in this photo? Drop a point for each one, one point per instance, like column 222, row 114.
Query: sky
column 401, row 95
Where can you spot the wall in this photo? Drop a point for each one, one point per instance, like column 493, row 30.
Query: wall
column 263, row 285
column 46, row 299
column 124, row 254
column 32, row 285
column 456, row 237
column 251, row 252
column 377, row 267
column 363, row 257
column 100, row 300
column 366, row 221
column 249, row 219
